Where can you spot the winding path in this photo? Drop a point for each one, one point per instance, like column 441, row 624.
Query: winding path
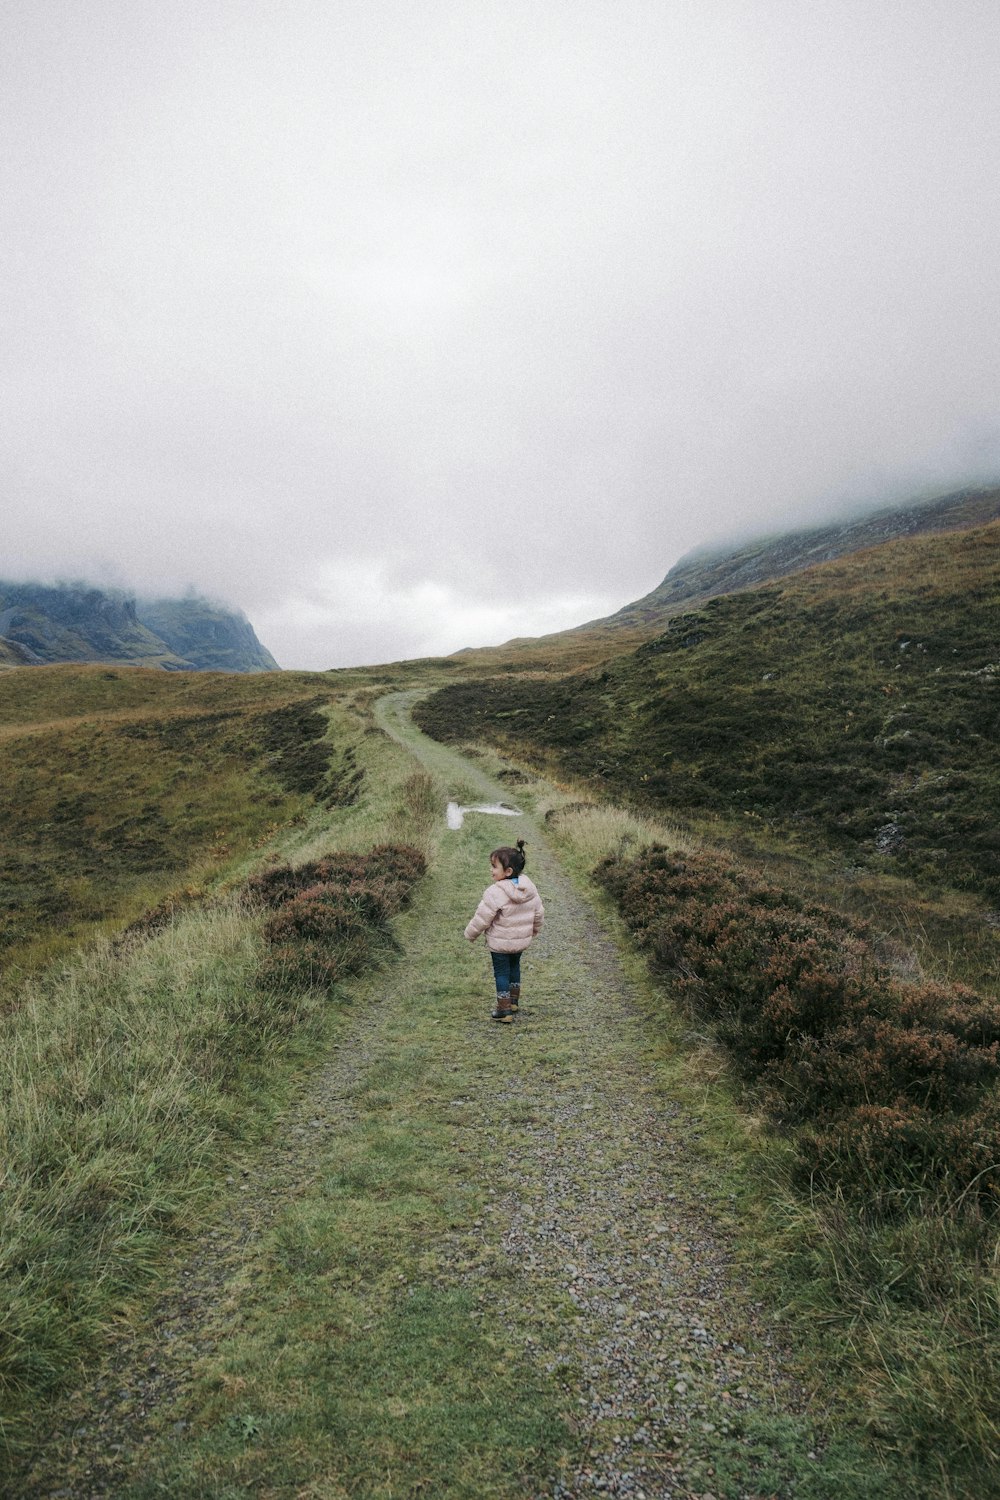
column 601, row 1208
column 599, row 1199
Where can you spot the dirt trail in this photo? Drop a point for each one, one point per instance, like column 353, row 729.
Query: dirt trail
column 675, row 1375
column 676, row 1384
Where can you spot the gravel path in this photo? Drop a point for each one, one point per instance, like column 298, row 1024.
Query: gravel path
column 668, row 1366
column 618, row 1261
column 665, row 1358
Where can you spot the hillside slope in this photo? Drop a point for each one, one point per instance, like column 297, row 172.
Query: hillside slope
column 855, row 702
column 119, row 788
column 709, row 572
column 706, row 573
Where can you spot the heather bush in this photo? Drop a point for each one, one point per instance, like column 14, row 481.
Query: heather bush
column 276, row 886
column 883, row 1081
column 895, row 1155
column 879, row 1062
column 320, row 914
column 289, row 968
column 330, row 915
column 395, row 866
column 872, row 1149
column 953, row 1008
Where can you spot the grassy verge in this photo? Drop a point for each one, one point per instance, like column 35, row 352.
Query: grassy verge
column 356, row 1352
column 130, row 1074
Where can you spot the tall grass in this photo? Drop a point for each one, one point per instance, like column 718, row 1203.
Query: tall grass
column 598, row 831
column 118, row 1077
column 129, row 1073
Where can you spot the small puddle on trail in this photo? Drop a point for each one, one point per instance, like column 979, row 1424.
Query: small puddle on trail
column 456, row 814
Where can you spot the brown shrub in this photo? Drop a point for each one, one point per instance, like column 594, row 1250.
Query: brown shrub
column 291, row 967
column 394, row 866
column 892, row 1154
column 878, row 1062
column 331, row 915
column 322, row 914
column 888, row 1079
column 873, row 1148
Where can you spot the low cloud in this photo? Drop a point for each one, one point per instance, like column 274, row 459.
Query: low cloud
column 357, row 615
column 360, row 317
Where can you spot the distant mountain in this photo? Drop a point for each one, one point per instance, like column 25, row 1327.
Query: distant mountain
column 42, row 623
column 211, row 638
column 708, row 572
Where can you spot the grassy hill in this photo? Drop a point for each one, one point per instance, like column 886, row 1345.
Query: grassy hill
column 123, row 788
column 854, row 704
column 707, row 573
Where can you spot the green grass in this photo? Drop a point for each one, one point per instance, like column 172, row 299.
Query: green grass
column 851, row 707
column 128, row 1076
column 353, row 1363
column 124, row 788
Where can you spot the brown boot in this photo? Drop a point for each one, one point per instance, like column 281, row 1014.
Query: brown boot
column 503, row 1011
column 515, row 997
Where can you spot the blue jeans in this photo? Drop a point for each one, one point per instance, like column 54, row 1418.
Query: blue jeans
column 506, row 971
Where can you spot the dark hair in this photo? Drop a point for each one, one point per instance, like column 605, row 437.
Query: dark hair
column 510, row 859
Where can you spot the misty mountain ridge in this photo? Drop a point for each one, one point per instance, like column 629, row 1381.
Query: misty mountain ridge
column 706, row 572
column 717, row 569
column 78, row 622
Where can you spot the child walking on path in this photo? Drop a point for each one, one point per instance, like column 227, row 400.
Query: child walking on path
column 511, row 914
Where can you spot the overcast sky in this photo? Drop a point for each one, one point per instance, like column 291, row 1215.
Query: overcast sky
column 410, row 326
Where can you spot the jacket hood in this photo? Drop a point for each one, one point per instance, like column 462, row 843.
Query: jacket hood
column 523, row 891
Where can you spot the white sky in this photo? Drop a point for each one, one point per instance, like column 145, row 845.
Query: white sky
column 406, row 327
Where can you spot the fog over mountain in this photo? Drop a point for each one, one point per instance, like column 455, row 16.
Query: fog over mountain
column 41, row 624
column 408, row 328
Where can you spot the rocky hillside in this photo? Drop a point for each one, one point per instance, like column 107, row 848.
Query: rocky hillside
column 705, row 573
column 211, row 638
column 41, row 624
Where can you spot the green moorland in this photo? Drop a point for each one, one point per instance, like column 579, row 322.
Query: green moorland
column 206, row 876
column 850, row 708
column 127, row 789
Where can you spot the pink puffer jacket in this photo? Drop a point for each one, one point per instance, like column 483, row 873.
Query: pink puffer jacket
column 509, row 914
